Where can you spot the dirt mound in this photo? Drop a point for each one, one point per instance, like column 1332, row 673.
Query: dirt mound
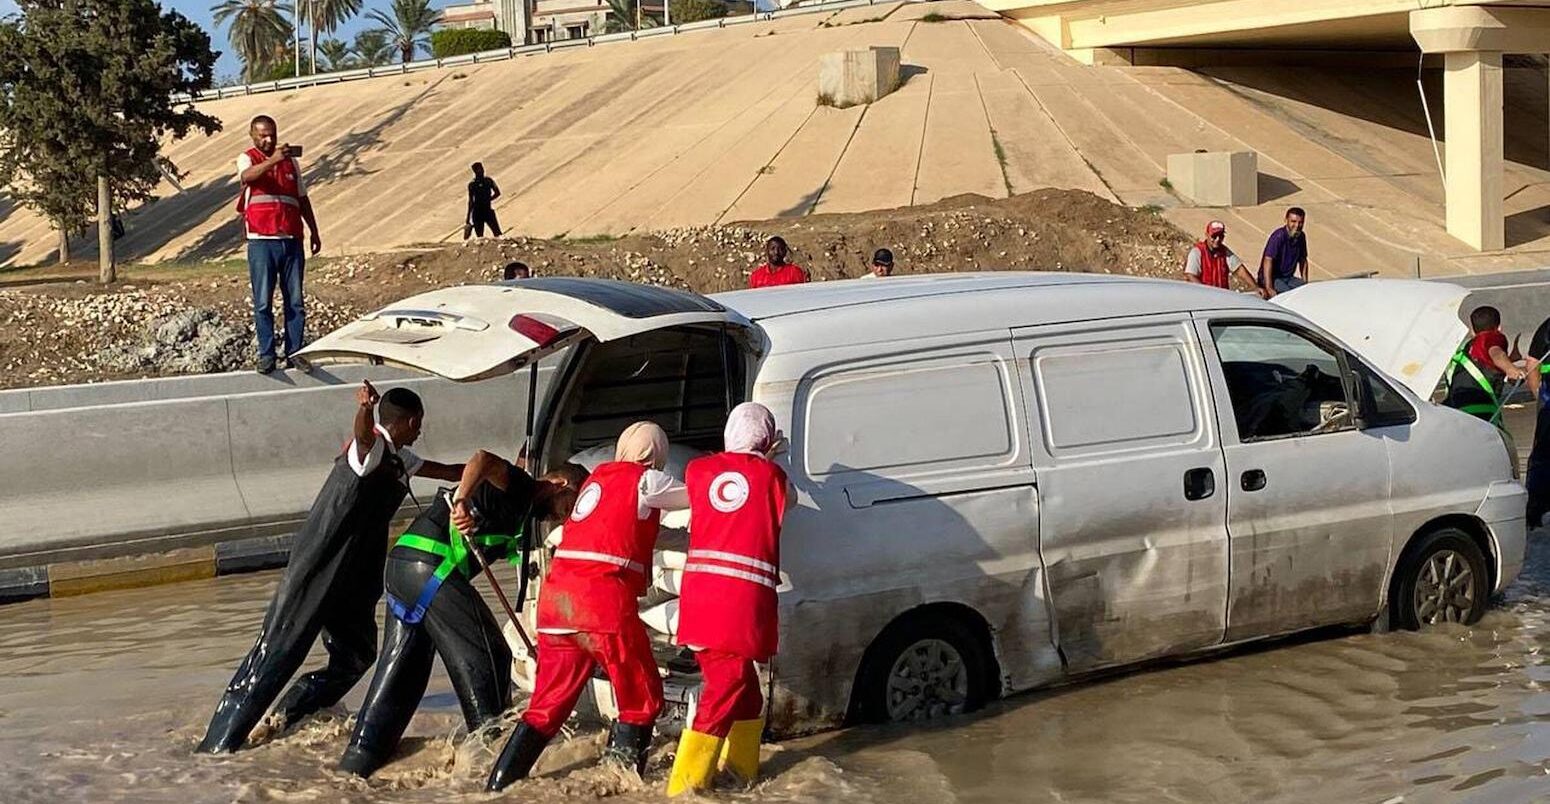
column 162, row 321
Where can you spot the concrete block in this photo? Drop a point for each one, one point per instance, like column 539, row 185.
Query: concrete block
column 1216, row 178
column 858, row 76
column 129, row 572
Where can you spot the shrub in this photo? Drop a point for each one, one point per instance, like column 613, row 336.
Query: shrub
column 687, row 11
column 450, row 42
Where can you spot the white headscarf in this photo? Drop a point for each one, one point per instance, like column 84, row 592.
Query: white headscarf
column 642, row 442
column 751, row 428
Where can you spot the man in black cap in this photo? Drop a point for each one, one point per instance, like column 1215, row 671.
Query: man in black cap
column 882, row 265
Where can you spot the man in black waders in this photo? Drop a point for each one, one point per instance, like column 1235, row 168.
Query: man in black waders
column 1538, row 480
column 433, row 608
column 334, row 577
column 1478, row 368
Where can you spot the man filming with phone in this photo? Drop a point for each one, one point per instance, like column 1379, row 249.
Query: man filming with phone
column 274, row 204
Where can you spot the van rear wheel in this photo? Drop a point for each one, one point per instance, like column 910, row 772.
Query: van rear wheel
column 1442, row 580
column 926, row 667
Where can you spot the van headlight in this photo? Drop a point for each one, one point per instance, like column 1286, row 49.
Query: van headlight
column 1512, row 452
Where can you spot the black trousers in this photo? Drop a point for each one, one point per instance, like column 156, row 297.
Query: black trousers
column 459, row 628
column 480, row 217
column 1538, row 480
column 331, row 586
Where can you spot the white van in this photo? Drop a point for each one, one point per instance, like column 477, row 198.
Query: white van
column 1010, row 479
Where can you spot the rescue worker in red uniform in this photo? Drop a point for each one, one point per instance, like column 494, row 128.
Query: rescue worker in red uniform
column 273, row 205
column 727, row 608
column 587, row 614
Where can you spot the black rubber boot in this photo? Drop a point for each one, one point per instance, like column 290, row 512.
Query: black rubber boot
column 360, row 762
column 627, row 746
column 517, row 758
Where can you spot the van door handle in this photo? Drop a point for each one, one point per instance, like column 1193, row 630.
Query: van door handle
column 1254, row 480
column 1199, row 483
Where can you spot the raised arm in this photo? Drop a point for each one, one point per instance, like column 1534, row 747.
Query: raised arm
column 365, row 421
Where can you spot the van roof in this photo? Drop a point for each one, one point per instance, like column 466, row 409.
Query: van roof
column 795, row 316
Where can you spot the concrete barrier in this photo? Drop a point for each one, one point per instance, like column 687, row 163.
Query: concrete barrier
column 215, row 471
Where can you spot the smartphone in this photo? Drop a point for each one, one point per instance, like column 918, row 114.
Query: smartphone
column 295, row 150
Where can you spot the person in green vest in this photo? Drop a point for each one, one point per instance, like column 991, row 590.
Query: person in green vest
column 1480, row 366
column 433, row 608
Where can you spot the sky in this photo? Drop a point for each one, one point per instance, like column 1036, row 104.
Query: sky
column 229, row 64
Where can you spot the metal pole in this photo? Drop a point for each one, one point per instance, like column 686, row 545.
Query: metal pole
column 106, row 269
column 495, row 585
column 296, row 31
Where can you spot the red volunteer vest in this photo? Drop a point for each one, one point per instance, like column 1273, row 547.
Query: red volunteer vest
column 1213, row 267
column 604, row 562
column 728, row 601
column 272, row 205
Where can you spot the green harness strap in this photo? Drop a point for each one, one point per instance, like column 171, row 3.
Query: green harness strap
column 454, row 556
column 1461, row 360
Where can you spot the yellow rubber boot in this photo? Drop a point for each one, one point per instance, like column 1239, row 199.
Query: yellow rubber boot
column 695, row 764
column 740, row 752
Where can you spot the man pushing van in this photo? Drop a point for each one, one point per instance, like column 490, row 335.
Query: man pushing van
column 333, row 580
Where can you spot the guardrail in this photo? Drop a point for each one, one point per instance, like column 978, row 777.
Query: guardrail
column 506, row 54
column 153, row 465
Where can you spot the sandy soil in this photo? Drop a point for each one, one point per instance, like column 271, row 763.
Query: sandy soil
column 77, row 331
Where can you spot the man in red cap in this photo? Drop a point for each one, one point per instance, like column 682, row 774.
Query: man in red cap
column 1211, row 262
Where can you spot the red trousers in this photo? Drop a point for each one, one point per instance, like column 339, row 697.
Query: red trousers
column 730, row 692
column 566, row 661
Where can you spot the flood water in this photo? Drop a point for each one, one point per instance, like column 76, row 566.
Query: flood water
column 102, row 698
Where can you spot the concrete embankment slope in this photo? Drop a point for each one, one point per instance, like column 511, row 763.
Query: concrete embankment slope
column 152, row 480
column 723, row 125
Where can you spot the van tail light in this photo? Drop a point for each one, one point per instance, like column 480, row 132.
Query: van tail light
column 539, row 328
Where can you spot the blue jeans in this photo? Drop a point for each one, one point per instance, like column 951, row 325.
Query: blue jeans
column 271, row 263
column 1285, row 283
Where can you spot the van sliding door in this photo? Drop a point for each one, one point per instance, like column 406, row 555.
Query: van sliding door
column 1132, row 497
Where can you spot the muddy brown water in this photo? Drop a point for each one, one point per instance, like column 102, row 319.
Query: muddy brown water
column 102, row 698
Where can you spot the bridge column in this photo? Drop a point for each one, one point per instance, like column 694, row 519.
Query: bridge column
column 1472, row 105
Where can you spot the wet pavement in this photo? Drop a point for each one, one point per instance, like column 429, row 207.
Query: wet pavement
column 104, row 697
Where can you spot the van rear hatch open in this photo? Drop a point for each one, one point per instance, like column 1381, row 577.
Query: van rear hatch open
column 1408, row 328
column 478, row 331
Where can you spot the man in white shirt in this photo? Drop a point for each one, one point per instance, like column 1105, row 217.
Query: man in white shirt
column 333, row 580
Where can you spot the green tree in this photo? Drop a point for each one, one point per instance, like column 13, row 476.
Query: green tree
column 336, row 54
column 257, row 30
column 623, row 15
column 86, row 103
column 410, row 26
column 325, row 16
column 372, row 49
column 687, row 11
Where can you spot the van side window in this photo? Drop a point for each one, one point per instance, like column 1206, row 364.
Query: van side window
column 932, row 413
column 1282, row 382
column 1111, row 396
column 1382, row 406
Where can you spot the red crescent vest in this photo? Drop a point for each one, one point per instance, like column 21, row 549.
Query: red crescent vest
column 272, row 205
column 604, row 562
column 728, row 601
column 1213, row 267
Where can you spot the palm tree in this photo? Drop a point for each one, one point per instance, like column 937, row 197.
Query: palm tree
column 257, row 29
column 372, row 48
column 622, row 15
column 326, row 16
column 410, row 26
column 336, row 54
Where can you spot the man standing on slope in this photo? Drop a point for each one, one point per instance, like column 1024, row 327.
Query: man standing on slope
column 274, row 204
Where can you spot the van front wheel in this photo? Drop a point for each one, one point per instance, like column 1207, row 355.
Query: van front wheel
column 925, row 668
column 1443, row 579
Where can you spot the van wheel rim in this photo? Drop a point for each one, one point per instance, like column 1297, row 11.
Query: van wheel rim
column 1444, row 589
column 929, row 679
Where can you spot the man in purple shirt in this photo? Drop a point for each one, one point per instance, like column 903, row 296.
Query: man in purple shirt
column 1285, row 264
